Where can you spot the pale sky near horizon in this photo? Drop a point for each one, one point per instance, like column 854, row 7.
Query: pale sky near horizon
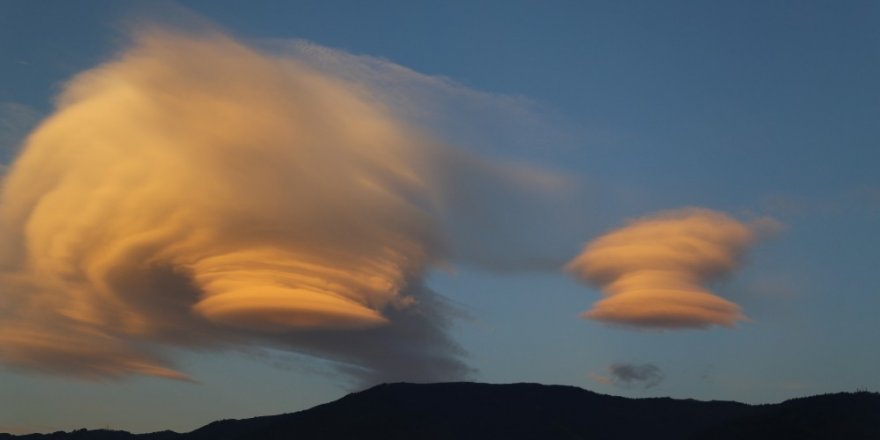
column 758, row 110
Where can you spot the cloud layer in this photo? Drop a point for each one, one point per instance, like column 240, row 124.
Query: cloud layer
column 653, row 271
column 199, row 193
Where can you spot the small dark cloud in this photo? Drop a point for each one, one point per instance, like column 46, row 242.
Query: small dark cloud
column 636, row 375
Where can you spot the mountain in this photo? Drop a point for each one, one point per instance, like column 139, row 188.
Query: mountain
column 463, row 411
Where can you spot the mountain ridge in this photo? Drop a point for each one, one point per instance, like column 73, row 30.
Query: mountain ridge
column 467, row 410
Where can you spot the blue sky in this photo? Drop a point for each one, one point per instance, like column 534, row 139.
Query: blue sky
column 756, row 109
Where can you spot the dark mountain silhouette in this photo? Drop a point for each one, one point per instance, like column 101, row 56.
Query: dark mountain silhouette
column 531, row 411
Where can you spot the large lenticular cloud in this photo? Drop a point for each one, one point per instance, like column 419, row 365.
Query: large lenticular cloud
column 653, row 271
column 198, row 193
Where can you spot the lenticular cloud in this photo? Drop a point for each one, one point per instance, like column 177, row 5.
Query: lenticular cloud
column 195, row 192
column 653, row 271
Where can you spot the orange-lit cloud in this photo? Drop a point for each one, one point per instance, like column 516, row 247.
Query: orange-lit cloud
column 196, row 192
column 653, row 271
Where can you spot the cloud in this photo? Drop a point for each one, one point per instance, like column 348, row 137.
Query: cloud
column 507, row 123
column 488, row 225
column 653, row 271
column 198, row 193
column 636, row 375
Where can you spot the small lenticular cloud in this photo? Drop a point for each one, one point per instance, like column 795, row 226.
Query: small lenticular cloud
column 653, row 270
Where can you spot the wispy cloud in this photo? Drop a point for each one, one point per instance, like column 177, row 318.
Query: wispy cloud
column 653, row 271
column 488, row 225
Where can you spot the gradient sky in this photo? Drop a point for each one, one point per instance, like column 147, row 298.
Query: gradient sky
column 758, row 110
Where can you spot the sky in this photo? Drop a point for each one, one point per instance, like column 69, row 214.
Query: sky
column 218, row 209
